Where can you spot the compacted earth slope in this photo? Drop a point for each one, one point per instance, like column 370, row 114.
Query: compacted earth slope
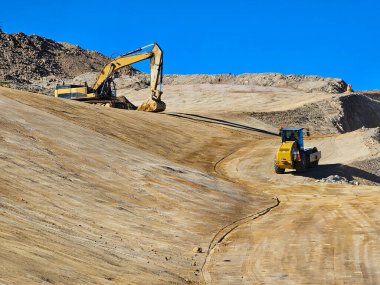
column 103, row 196
column 94, row 195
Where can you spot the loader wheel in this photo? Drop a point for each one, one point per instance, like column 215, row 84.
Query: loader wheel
column 314, row 164
column 279, row 170
column 300, row 166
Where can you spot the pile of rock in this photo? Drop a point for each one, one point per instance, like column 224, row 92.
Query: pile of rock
column 337, row 180
column 26, row 58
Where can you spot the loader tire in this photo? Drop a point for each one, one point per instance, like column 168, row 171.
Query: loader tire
column 279, row 170
column 300, row 166
column 314, row 164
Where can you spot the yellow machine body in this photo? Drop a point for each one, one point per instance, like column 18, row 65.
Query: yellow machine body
column 292, row 154
column 72, row 92
column 285, row 155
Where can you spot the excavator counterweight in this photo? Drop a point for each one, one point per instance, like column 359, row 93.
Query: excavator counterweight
column 103, row 91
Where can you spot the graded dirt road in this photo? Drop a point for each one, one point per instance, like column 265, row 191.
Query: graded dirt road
column 319, row 234
column 91, row 195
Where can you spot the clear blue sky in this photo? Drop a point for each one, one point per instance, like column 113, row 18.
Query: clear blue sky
column 329, row 38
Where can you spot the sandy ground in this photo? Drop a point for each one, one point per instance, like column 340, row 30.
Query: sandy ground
column 91, row 195
column 227, row 98
column 319, row 234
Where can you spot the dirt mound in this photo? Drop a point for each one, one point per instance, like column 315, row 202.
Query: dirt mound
column 339, row 114
column 358, row 111
column 299, row 82
column 29, row 58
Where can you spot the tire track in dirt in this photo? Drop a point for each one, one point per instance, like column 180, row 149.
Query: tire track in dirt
column 228, row 229
column 220, row 236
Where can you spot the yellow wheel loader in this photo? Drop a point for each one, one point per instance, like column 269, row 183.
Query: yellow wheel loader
column 103, row 92
column 292, row 154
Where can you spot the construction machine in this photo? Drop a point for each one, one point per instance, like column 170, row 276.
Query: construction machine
column 103, row 92
column 292, row 153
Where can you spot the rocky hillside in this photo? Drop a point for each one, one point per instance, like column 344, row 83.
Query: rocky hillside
column 25, row 58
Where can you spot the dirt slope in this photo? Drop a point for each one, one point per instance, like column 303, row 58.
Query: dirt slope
column 92, row 195
column 318, row 234
column 98, row 194
column 342, row 114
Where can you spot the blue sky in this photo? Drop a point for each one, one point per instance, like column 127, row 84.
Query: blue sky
column 329, row 38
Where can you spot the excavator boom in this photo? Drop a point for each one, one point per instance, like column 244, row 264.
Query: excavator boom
column 117, row 64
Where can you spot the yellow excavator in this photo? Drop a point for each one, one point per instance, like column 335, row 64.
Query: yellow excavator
column 103, row 92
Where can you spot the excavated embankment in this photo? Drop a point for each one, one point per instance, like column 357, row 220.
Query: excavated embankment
column 341, row 114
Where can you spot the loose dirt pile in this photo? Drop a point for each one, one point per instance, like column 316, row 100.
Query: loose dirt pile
column 337, row 114
column 337, row 180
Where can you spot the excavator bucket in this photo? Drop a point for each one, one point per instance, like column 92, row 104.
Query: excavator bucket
column 152, row 105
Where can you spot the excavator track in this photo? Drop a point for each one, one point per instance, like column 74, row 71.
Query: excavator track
column 119, row 102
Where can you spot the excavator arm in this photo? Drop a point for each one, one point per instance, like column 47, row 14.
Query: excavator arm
column 156, row 66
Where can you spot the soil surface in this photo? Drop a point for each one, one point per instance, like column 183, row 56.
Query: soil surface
column 94, row 195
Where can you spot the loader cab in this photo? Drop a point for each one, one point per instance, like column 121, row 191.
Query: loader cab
column 293, row 134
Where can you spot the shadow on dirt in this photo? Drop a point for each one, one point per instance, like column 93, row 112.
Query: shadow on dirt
column 325, row 170
column 209, row 120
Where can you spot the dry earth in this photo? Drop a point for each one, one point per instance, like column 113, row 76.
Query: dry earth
column 91, row 195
